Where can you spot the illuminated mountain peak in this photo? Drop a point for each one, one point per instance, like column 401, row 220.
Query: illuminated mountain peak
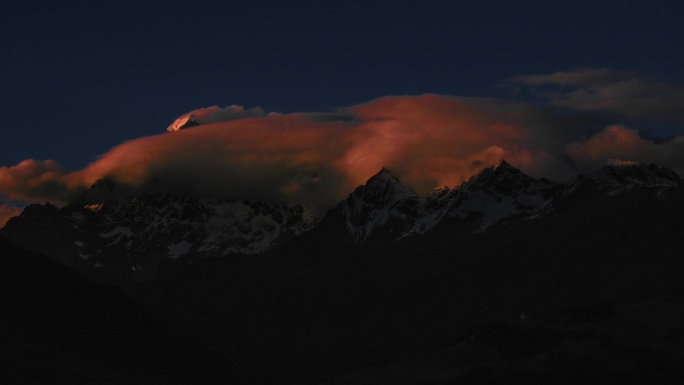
column 183, row 122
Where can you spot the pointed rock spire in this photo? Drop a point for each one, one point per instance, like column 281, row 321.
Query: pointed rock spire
column 381, row 205
column 502, row 163
column 383, row 188
column 382, row 175
column 501, row 174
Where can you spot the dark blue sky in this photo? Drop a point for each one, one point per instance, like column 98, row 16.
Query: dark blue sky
column 78, row 79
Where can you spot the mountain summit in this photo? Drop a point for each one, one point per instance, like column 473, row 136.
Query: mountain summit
column 382, row 203
column 183, row 122
column 621, row 176
column 382, row 189
column 500, row 192
column 132, row 234
column 497, row 177
column 384, row 208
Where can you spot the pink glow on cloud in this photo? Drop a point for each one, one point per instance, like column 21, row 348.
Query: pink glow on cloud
column 427, row 141
column 619, row 142
column 31, row 178
column 431, row 140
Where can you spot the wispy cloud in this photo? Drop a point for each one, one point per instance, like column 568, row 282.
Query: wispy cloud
column 619, row 92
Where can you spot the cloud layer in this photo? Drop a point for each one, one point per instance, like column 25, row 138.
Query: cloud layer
column 619, row 142
column 34, row 181
column 620, row 92
column 318, row 158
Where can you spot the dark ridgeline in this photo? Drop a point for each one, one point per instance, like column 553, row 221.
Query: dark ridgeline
column 504, row 278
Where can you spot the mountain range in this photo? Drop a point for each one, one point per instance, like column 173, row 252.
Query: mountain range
column 505, row 277
column 132, row 235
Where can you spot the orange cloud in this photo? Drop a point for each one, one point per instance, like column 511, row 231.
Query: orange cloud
column 34, row 181
column 318, row 158
column 617, row 141
column 427, row 140
column 434, row 140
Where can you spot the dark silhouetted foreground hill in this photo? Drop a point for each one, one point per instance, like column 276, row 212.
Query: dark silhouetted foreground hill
column 57, row 327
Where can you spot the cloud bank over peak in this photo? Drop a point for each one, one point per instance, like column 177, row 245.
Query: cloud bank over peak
column 214, row 114
column 620, row 142
column 317, row 158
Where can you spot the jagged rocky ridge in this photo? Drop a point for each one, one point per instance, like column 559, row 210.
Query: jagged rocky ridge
column 134, row 233
column 384, row 208
column 621, row 176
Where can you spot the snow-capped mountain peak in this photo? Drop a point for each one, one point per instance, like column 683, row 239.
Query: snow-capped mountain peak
column 381, row 201
column 383, row 189
column 183, row 122
column 501, row 176
column 109, row 227
column 500, row 192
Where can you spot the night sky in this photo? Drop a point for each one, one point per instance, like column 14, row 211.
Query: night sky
column 81, row 78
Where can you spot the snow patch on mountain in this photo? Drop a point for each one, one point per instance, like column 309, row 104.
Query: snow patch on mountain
column 177, row 250
column 500, row 192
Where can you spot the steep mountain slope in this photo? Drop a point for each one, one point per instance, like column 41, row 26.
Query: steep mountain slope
column 496, row 194
column 384, row 205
